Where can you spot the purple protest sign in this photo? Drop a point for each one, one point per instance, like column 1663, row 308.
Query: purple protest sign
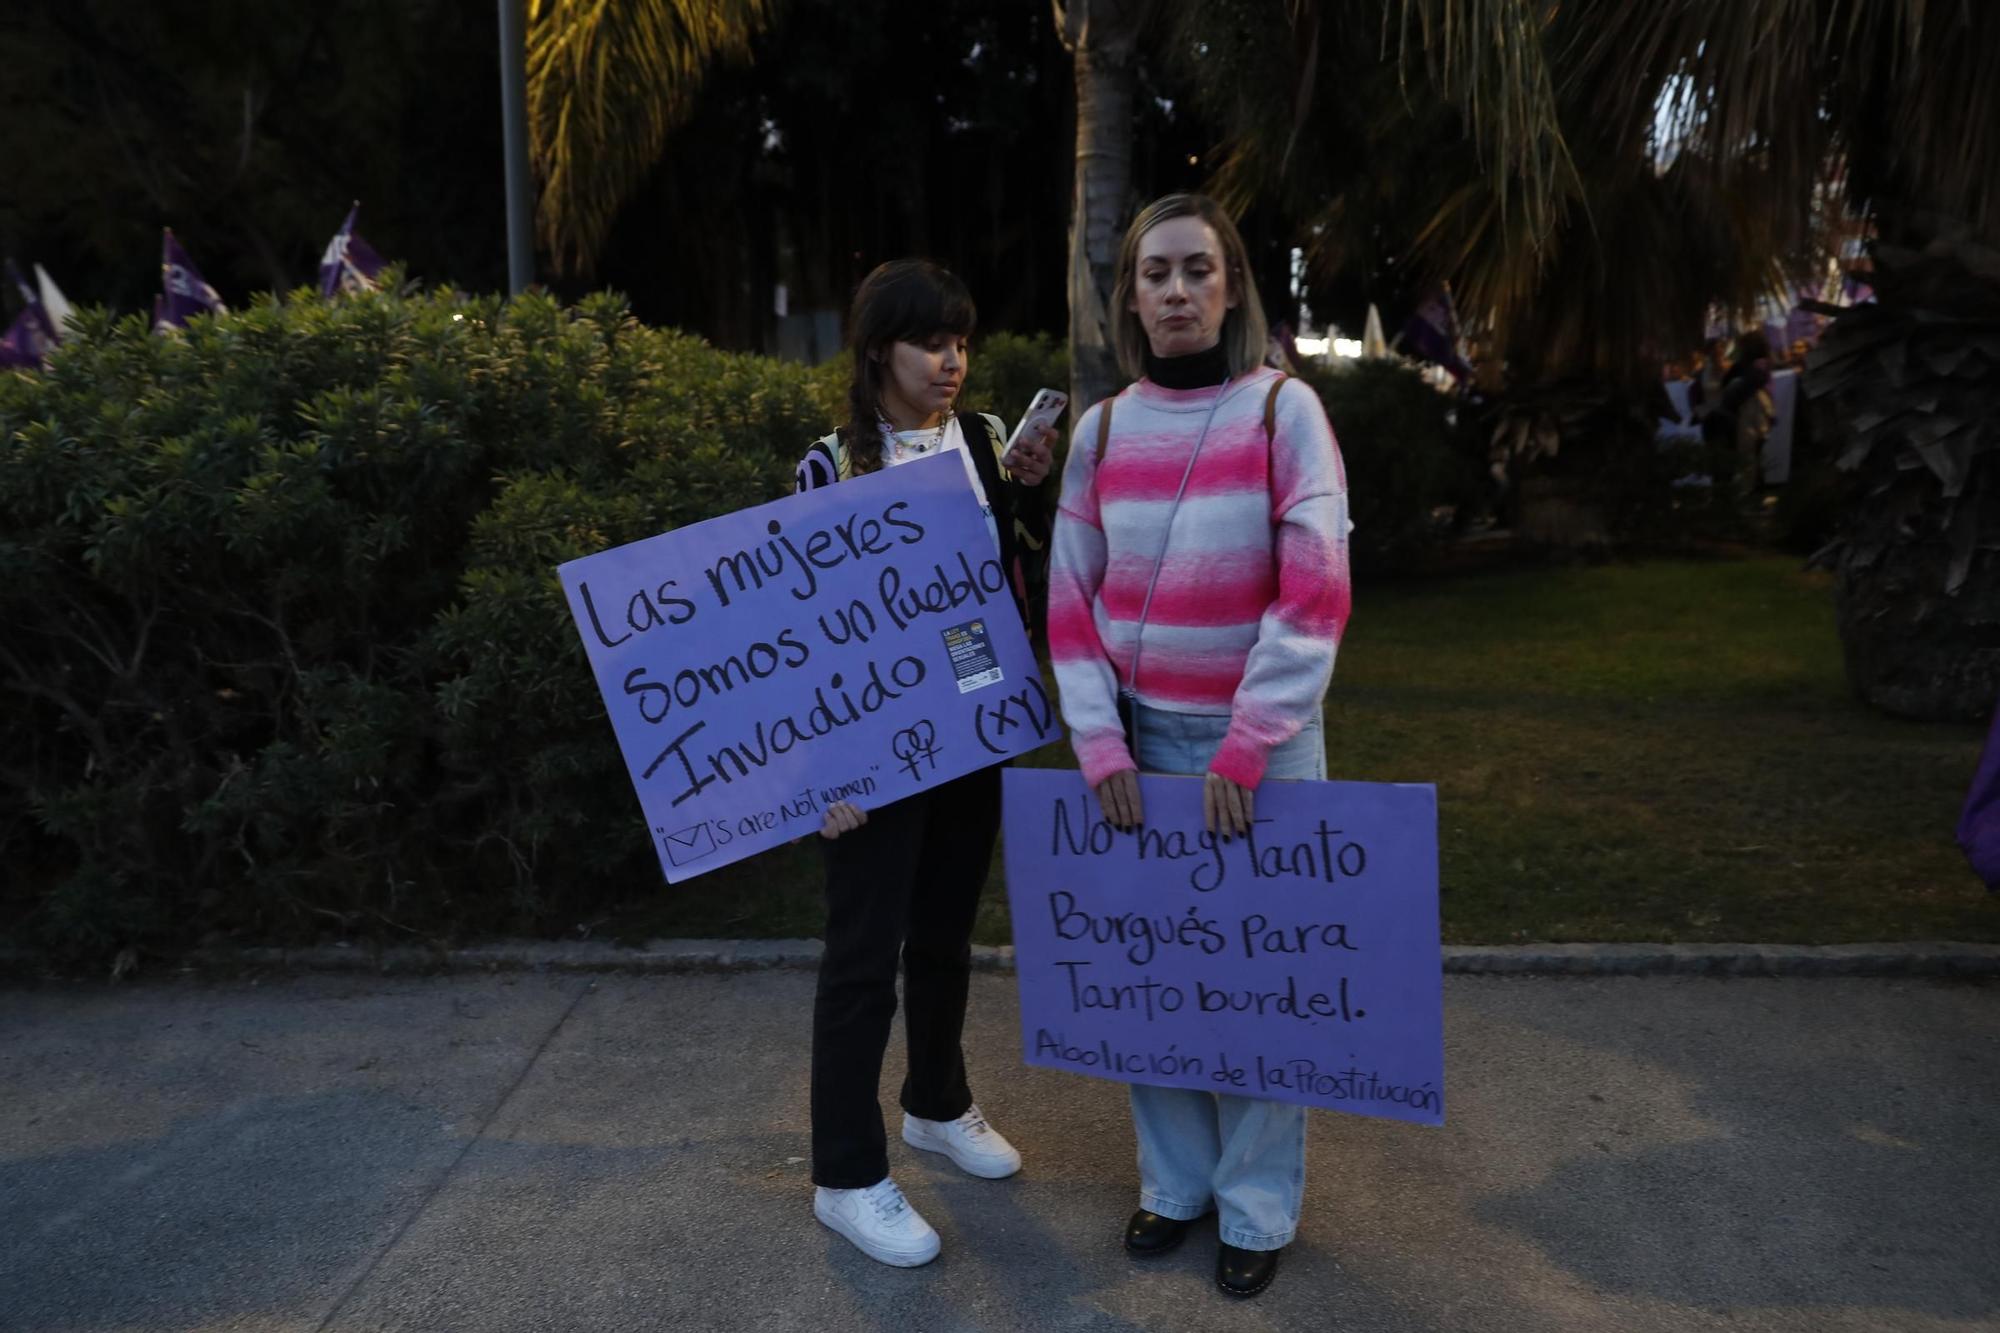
column 858, row 642
column 1299, row 964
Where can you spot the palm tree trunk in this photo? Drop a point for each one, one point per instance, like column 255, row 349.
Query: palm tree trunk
column 1101, row 36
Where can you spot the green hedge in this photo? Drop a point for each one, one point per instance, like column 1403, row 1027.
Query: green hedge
column 282, row 647
column 1405, row 469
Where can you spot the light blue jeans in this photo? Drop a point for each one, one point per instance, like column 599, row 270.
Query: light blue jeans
column 1245, row 1156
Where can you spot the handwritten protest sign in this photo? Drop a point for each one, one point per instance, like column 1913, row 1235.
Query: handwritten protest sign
column 1299, row 964
column 857, row 643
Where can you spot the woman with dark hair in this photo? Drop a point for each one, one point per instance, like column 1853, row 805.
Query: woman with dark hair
column 903, row 881
column 1200, row 587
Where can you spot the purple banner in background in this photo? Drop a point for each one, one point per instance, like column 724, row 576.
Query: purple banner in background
column 350, row 264
column 858, row 642
column 184, row 293
column 1299, row 964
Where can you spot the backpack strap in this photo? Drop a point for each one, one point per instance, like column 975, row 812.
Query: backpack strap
column 825, row 463
column 982, row 443
column 1104, row 429
column 1271, row 409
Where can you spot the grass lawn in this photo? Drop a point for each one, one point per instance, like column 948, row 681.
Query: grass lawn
column 1663, row 751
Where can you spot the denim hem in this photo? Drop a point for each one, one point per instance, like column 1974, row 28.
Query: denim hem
column 1180, row 1212
column 1244, row 1240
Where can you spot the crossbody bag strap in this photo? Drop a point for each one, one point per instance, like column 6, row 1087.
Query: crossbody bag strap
column 1146, row 607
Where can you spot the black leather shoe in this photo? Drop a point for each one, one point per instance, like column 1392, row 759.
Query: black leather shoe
column 1245, row 1272
column 1148, row 1234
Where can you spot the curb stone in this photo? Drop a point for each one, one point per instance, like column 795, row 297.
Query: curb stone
column 1918, row 959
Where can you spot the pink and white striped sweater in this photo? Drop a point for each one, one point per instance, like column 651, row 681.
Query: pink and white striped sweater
column 1253, row 594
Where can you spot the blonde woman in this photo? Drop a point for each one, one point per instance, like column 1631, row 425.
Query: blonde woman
column 1200, row 587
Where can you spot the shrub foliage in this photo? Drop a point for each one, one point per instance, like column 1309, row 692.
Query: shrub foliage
column 281, row 643
column 283, row 649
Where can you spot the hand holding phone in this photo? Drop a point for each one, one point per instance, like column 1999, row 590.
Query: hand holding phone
column 1043, row 412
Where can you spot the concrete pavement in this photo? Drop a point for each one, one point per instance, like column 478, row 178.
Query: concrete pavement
column 532, row 1151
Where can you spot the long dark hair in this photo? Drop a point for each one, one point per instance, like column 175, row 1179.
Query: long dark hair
column 904, row 300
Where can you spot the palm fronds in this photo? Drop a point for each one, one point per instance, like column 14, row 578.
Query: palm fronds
column 607, row 80
column 1491, row 58
column 1904, row 92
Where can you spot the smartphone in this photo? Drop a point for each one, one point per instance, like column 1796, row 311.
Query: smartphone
column 1045, row 410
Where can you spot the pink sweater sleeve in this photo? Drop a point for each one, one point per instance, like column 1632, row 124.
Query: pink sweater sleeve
column 1085, row 679
column 1288, row 670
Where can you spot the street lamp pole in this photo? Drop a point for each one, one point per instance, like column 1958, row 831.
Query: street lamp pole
column 514, row 134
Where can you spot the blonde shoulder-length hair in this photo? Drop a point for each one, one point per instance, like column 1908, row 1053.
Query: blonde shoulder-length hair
column 1244, row 332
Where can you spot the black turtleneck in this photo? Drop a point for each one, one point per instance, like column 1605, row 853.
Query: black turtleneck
column 1196, row 370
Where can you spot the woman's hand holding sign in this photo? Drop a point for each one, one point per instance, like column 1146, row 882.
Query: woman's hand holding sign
column 1118, row 798
column 842, row 817
column 1227, row 807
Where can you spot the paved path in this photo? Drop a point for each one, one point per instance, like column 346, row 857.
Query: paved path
column 563, row 1152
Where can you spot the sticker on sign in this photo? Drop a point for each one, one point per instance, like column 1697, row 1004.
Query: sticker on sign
column 973, row 660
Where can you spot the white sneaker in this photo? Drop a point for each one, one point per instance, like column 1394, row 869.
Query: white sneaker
column 880, row 1222
column 976, row 1146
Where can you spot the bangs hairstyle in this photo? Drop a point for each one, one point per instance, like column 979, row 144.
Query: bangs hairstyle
column 904, row 300
column 1244, row 332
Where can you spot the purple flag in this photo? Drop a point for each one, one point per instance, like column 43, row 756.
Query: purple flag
column 32, row 336
column 350, row 264
column 183, row 292
column 22, row 347
column 1432, row 333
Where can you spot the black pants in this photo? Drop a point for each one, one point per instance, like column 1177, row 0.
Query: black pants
column 906, row 884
